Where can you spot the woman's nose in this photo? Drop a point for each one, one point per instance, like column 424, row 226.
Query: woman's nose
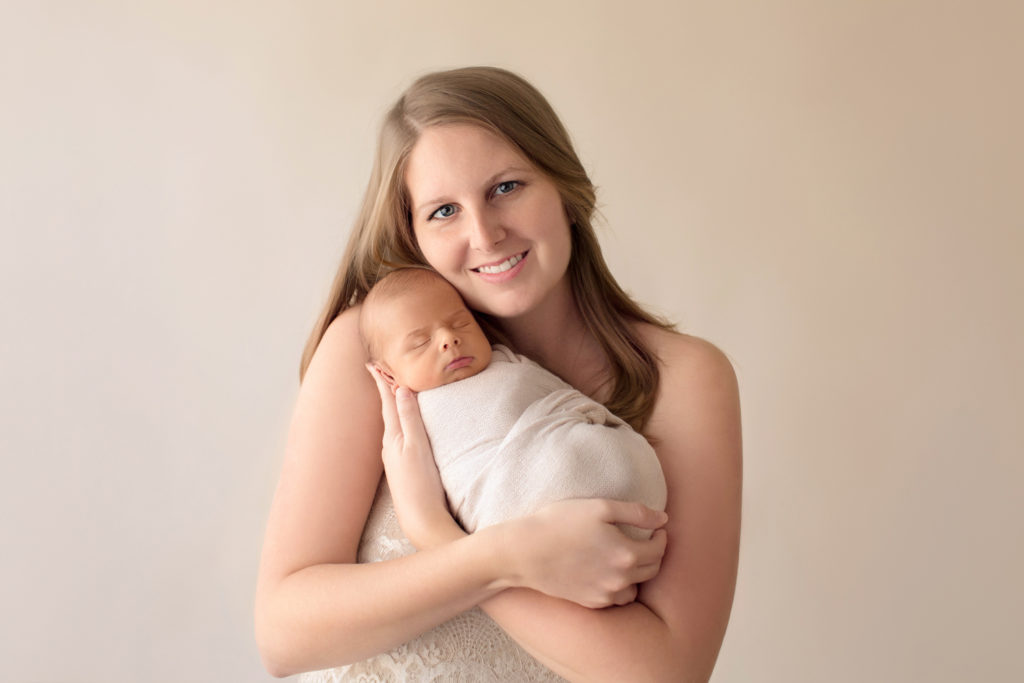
column 485, row 232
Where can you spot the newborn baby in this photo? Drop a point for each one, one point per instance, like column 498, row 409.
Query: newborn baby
column 507, row 435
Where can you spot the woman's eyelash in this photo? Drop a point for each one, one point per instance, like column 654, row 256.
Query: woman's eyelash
column 509, row 185
column 448, row 211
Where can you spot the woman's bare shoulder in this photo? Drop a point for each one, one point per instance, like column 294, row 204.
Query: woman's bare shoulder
column 341, row 340
column 338, row 366
column 337, row 393
column 698, row 391
column 686, row 359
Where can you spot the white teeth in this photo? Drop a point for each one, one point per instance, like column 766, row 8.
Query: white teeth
column 501, row 267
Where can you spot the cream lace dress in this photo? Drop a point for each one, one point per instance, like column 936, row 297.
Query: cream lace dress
column 470, row 648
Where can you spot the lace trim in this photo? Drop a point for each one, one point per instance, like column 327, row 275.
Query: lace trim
column 468, row 648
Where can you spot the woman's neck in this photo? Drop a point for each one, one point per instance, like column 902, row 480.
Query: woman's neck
column 555, row 335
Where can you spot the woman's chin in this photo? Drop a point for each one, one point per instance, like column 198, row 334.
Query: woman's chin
column 504, row 309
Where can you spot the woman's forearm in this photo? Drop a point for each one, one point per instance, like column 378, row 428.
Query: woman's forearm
column 334, row 614
column 630, row 642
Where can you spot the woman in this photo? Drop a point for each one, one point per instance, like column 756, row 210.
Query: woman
column 476, row 177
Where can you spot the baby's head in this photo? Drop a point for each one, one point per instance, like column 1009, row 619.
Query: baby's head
column 419, row 333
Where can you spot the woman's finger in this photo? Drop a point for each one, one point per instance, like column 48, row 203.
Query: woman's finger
column 624, row 596
column 387, row 400
column 651, row 550
column 645, row 573
column 409, row 418
column 647, row 557
column 634, row 514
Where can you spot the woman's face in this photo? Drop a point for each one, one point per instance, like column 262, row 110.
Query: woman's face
column 487, row 220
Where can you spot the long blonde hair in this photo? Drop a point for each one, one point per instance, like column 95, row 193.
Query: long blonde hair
column 382, row 238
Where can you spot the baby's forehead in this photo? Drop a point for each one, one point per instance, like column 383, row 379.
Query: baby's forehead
column 425, row 301
column 427, row 289
column 405, row 302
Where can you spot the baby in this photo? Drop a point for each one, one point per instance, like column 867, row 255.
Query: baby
column 507, row 435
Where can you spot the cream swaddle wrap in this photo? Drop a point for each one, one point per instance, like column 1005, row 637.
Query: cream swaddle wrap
column 515, row 437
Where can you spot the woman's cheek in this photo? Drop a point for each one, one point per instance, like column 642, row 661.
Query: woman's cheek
column 441, row 255
column 428, row 247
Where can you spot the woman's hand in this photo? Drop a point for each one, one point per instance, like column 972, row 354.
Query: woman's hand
column 573, row 550
column 411, row 471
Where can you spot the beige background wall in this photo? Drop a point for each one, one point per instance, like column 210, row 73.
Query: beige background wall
column 829, row 191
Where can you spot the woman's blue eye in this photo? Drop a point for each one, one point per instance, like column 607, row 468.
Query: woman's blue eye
column 506, row 187
column 446, row 211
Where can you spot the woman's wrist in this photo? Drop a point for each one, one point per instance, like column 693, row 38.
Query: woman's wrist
column 444, row 529
column 428, row 530
column 494, row 549
column 485, row 554
column 509, row 544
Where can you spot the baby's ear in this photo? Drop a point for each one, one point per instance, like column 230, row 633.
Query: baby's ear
column 386, row 376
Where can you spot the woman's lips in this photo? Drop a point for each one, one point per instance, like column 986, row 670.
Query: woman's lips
column 501, row 271
column 460, row 362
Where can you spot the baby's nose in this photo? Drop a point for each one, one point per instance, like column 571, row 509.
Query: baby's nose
column 450, row 339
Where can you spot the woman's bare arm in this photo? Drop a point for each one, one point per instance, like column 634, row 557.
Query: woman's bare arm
column 674, row 630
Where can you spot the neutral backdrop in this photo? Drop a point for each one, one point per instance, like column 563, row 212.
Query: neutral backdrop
column 831, row 192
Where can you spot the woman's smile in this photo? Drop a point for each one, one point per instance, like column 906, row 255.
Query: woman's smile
column 502, row 270
column 488, row 220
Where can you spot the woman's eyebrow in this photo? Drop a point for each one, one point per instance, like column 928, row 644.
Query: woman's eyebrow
column 440, row 201
column 511, row 169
